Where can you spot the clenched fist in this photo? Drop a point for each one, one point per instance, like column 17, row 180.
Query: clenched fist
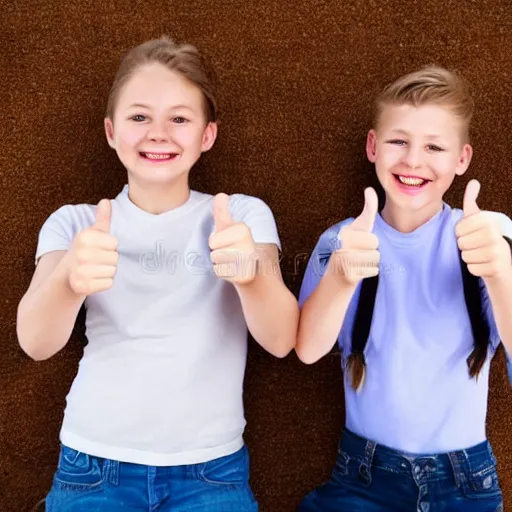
column 358, row 256
column 480, row 240
column 233, row 249
column 93, row 255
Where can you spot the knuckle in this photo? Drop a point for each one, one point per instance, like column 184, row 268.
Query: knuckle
column 82, row 254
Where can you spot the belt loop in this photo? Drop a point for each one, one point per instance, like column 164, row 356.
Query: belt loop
column 111, row 471
column 459, row 461
column 367, row 462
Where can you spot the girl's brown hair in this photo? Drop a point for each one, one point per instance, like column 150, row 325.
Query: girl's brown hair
column 181, row 58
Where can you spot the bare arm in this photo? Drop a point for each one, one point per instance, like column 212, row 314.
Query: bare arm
column 500, row 295
column 322, row 317
column 270, row 309
column 48, row 310
column 324, row 311
column 488, row 255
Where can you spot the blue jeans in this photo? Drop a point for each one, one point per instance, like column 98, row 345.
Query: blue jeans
column 373, row 478
column 92, row 484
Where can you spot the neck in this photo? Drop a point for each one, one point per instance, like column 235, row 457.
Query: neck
column 157, row 198
column 407, row 221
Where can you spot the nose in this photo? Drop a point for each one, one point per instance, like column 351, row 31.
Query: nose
column 413, row 156
column 158, row 131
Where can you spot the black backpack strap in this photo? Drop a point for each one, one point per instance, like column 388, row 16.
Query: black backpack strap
column 356, row 363
column 79, row 327
column 479, row 324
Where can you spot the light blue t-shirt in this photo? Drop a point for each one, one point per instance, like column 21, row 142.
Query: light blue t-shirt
column 418, row 396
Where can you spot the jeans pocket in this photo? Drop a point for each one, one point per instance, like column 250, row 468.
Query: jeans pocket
column 77, row 470
column 231, row 470
column 483, row 484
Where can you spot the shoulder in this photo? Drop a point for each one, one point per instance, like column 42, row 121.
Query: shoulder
column 244, row 202
column 238, row 203
column 503, row 221
column 77, row 216
column 328, row 241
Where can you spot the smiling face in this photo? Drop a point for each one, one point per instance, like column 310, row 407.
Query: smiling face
column 417, row 152
column 159, row 127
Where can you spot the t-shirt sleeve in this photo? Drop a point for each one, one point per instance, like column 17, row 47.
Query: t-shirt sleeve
column 317, row 264
column 505, row 225
column 257, row 215
column 60, row 228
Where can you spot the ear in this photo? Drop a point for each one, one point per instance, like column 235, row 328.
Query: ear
column 371, row 146
column 464, row 160
column 209, row 136
column 109, row 132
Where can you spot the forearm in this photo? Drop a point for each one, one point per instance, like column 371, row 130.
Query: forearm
column 47, row 314
column 321, row 318
column 500, row 295
column 271, row 312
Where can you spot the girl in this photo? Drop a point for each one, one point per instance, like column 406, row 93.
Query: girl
column 171, row 279
column 403, row 291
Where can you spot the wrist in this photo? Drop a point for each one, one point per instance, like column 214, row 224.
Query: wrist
column 501, row 279
column 62, row 275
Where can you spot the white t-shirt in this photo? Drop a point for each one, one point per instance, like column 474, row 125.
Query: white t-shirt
column 160, row 381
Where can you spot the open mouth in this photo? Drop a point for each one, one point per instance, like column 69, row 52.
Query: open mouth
column 159, row 157
column 411, row 181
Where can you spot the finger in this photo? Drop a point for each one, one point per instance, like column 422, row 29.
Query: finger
column 477, row 222
column 476, row 240
column 226, row 270
column 103, row 216
column 470, row 196
column 92, row 240
column 366, row 219
column 482, row 269
column 358, row 240
column 93, row 272
column 229, row 236
column 480, row 256
column 356, row 262
column 88, row 286
column 100, row 285
column 221, row 216
column 222, row 256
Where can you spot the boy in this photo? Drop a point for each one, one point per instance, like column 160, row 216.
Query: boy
column 404, row 295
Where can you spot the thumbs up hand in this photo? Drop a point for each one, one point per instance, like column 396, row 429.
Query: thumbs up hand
column 358, row 257
column 233, row 248
column 480, row 240
column 93, row 254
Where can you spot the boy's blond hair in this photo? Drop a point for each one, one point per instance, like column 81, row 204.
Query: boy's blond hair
column 430, row 85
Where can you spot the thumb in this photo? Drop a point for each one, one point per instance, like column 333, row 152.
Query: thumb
column 103, row 216
column 366, row 219
column 221, row 216
column 470, row 196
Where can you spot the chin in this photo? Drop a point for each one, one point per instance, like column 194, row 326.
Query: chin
column 158, row 177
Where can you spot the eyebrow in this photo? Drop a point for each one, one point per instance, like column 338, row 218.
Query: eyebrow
column 403, row 132
column 175, row 107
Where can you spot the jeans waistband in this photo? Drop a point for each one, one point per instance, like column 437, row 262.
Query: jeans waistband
column 370, row 453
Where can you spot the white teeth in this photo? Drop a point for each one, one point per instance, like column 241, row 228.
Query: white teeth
column 157, row 156
column 411, row 181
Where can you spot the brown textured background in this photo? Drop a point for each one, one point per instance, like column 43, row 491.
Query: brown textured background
column 297, row 79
